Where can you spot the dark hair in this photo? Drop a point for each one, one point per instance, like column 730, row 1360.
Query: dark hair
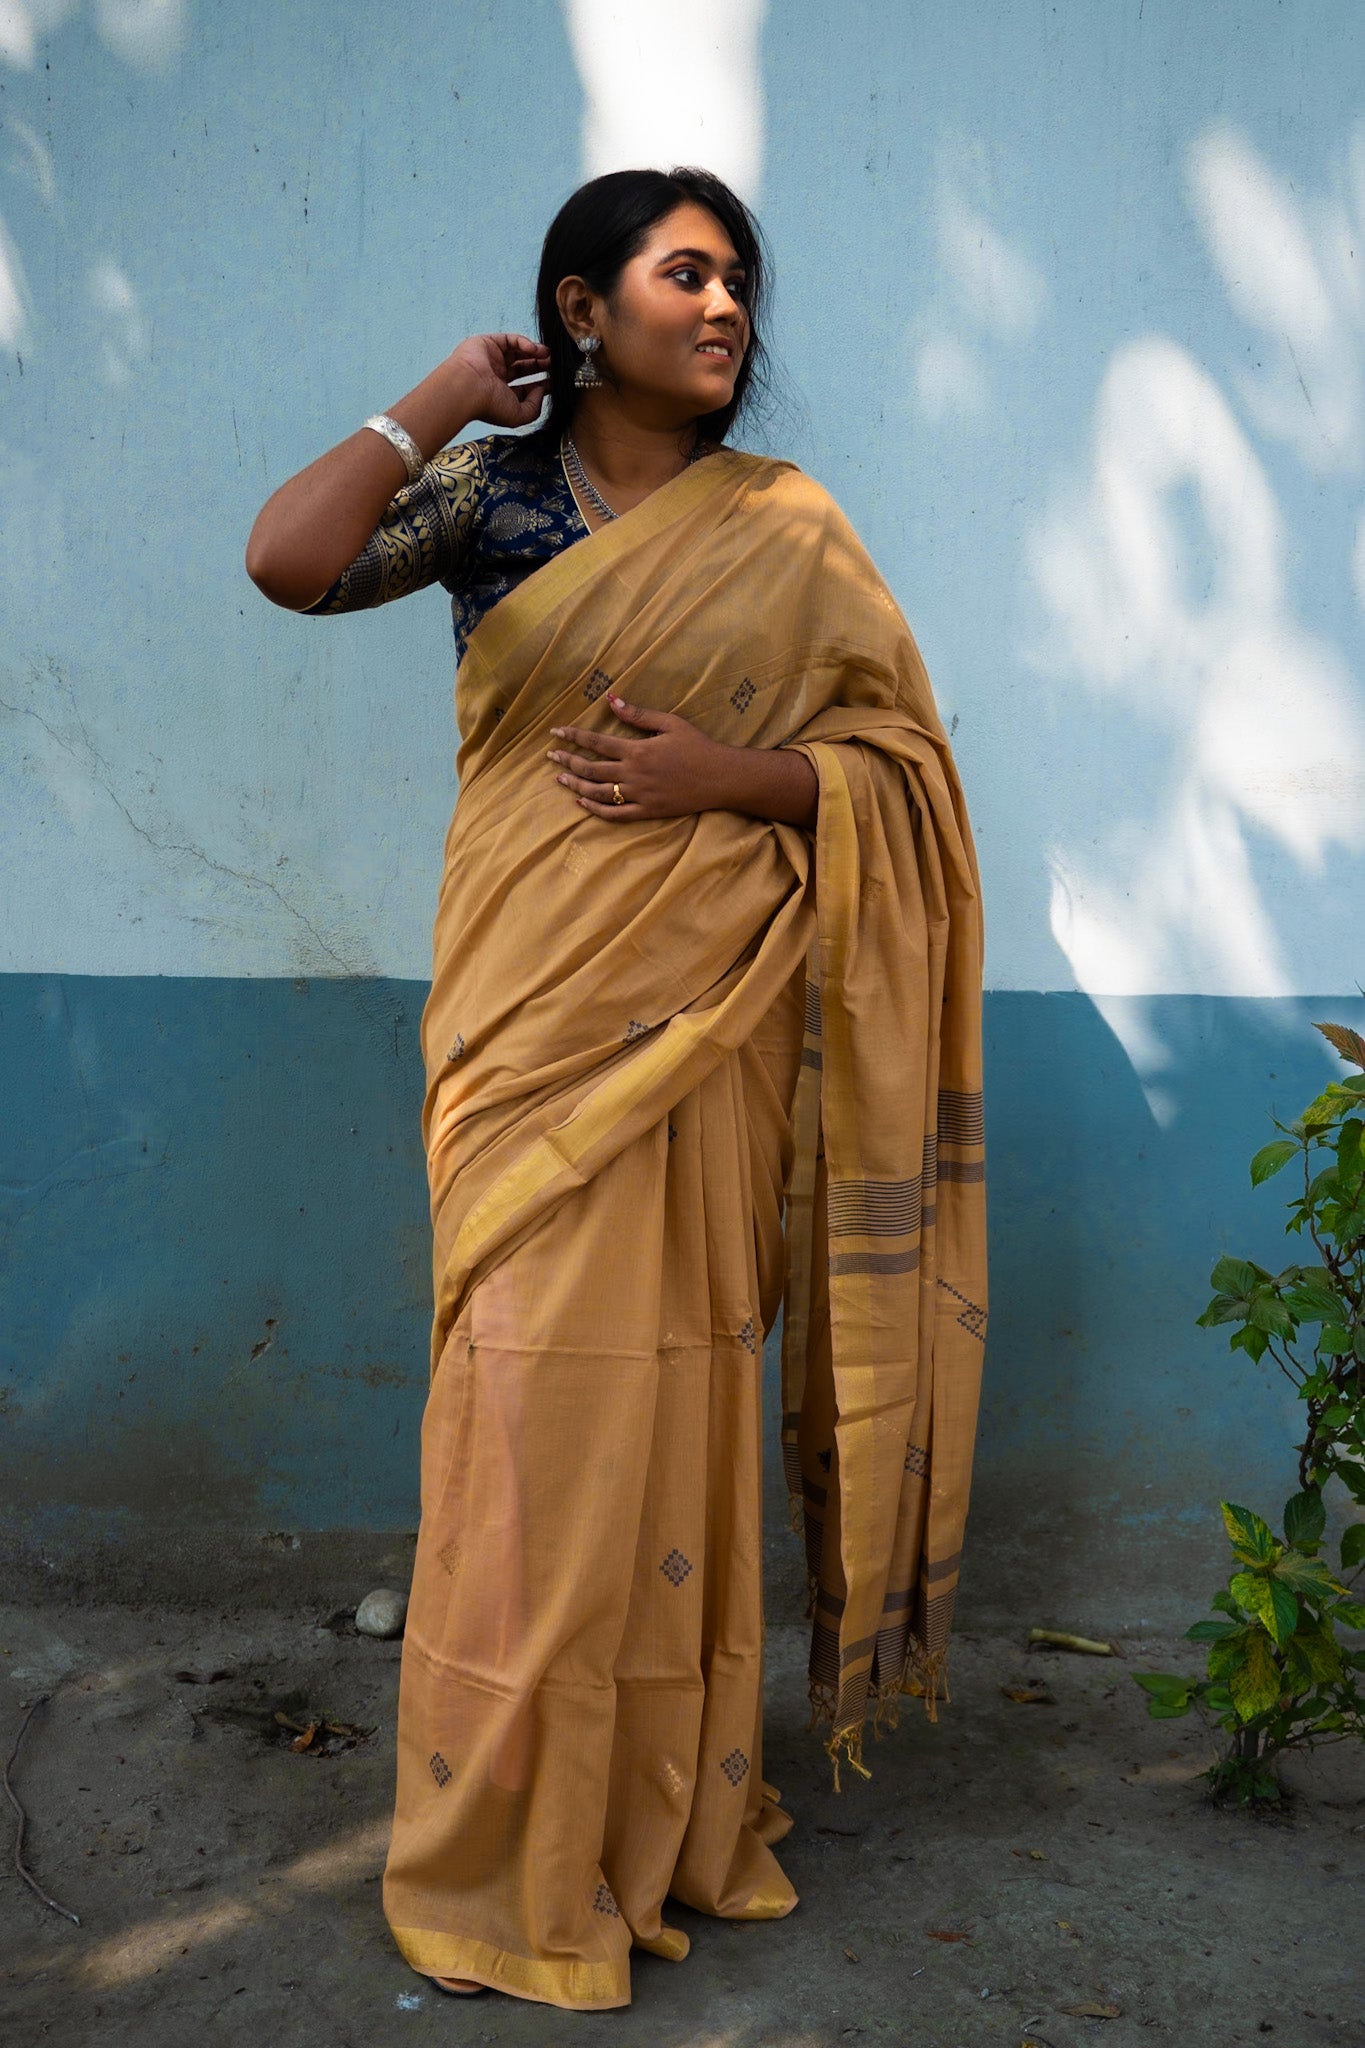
column 594, row 235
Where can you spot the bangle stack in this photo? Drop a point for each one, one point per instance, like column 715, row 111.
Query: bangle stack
column 398, row 438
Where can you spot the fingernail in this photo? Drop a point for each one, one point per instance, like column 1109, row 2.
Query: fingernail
column 614, row 700
column 557, row 731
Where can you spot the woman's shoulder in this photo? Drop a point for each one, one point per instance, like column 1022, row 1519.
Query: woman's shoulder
column 489, row 462
column 778, row 482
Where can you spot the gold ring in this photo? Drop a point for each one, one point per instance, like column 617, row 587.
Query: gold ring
column 616, row 795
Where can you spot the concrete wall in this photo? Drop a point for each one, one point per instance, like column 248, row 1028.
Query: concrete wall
column 1070, row 310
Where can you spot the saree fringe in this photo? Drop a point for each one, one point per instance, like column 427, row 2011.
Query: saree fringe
column 922, row 1676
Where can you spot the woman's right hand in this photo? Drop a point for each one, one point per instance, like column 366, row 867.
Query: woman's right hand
column 486, row 364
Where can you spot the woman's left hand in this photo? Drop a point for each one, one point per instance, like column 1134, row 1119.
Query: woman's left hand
column 670, row 772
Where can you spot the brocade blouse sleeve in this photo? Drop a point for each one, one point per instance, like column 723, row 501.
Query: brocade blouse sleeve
column 425, row 536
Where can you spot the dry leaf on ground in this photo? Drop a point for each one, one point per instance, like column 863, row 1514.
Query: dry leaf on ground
column 1091, row 2009
column 1029, row 1695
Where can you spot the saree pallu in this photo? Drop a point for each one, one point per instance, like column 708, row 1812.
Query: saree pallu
column 681, row 1073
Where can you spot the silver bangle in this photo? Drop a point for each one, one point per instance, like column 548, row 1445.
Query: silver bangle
column 414, row 462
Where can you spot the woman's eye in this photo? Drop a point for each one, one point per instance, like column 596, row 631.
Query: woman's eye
column 736, row 288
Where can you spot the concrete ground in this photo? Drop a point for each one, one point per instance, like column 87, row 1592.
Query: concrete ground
column 1001, row 1869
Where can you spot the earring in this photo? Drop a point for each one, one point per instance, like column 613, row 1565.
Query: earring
column 585, row 376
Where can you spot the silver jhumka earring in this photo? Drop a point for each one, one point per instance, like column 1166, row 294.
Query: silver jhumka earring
column 586, row 377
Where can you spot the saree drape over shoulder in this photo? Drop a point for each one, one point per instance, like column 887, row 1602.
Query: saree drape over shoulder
column 682, row 1073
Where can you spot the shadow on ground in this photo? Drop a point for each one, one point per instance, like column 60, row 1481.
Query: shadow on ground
column 229, row 1886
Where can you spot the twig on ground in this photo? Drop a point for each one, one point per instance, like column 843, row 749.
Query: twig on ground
column 27, row 1875
column 1060, row 1640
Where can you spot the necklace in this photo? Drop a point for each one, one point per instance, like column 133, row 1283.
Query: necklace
column 574, row 473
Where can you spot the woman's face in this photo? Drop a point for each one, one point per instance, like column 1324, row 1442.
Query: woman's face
column 676, row 328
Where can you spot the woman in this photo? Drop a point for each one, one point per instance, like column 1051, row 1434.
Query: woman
column 702, row 1040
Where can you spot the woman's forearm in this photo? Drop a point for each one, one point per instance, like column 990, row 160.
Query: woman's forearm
column 316, row 524
column 770, row 782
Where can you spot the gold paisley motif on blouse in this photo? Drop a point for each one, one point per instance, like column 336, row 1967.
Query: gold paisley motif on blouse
column 482, row 516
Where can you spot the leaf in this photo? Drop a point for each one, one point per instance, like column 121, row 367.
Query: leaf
column 1270, row 1600
column 1211, row 1631
column 1353, row 1546
column 1255, row 1687
column 1091, row 2009
column 1350, row 1613
column 1271, row 1158
column 1268, row 1312
column 1305, row 1518
column 1348, row 1043
column 1335, row 1342
column 1322, row 1653
column 1251, row 1340
column 1226, row 1656
column 948, row 1933
column 1236, row 1276
column 1307, row 1576
column 1310, row 1295
column 1251, row 1537
column 1224, row 1308
column 1029, row 1695
column 1164, row 1685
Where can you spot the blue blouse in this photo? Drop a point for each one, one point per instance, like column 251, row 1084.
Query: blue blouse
column 482, row 515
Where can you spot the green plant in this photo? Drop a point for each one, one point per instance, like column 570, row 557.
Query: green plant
column 1279, row 1676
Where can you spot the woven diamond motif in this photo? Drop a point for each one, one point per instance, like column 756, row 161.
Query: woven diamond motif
column 675, row 1567
column 635, row 1029
column 672, row 1130
column 603, row 1902
column 597, row 682
column 498, row 710
column 457, row 1050
column 748, row 1336
column 917, row 1460
column 743, row 697
column 735, row 1766
column 449, row 1556
column 440, row 1769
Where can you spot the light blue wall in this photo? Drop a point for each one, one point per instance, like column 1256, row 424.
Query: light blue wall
column 1070, row 312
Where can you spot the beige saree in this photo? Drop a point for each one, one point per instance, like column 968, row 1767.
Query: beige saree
column 681, row 1073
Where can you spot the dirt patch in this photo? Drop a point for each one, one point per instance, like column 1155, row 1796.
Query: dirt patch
column 1023, row 1869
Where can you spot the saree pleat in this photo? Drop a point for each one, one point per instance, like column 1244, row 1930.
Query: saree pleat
column 682, row 1073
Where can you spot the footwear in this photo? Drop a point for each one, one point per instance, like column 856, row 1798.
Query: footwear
column 458, row 1987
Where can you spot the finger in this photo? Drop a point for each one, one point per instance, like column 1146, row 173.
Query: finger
column 587, row 771
column 589, row 779
column 622, row 813
column 636, row 714
column 596, row 742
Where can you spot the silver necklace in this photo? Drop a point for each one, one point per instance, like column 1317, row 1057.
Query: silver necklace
column 575, row 473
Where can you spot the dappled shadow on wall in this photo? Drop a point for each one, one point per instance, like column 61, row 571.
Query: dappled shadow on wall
column 1254, row 722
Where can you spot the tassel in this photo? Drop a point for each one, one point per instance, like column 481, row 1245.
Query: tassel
column 850, row 1741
